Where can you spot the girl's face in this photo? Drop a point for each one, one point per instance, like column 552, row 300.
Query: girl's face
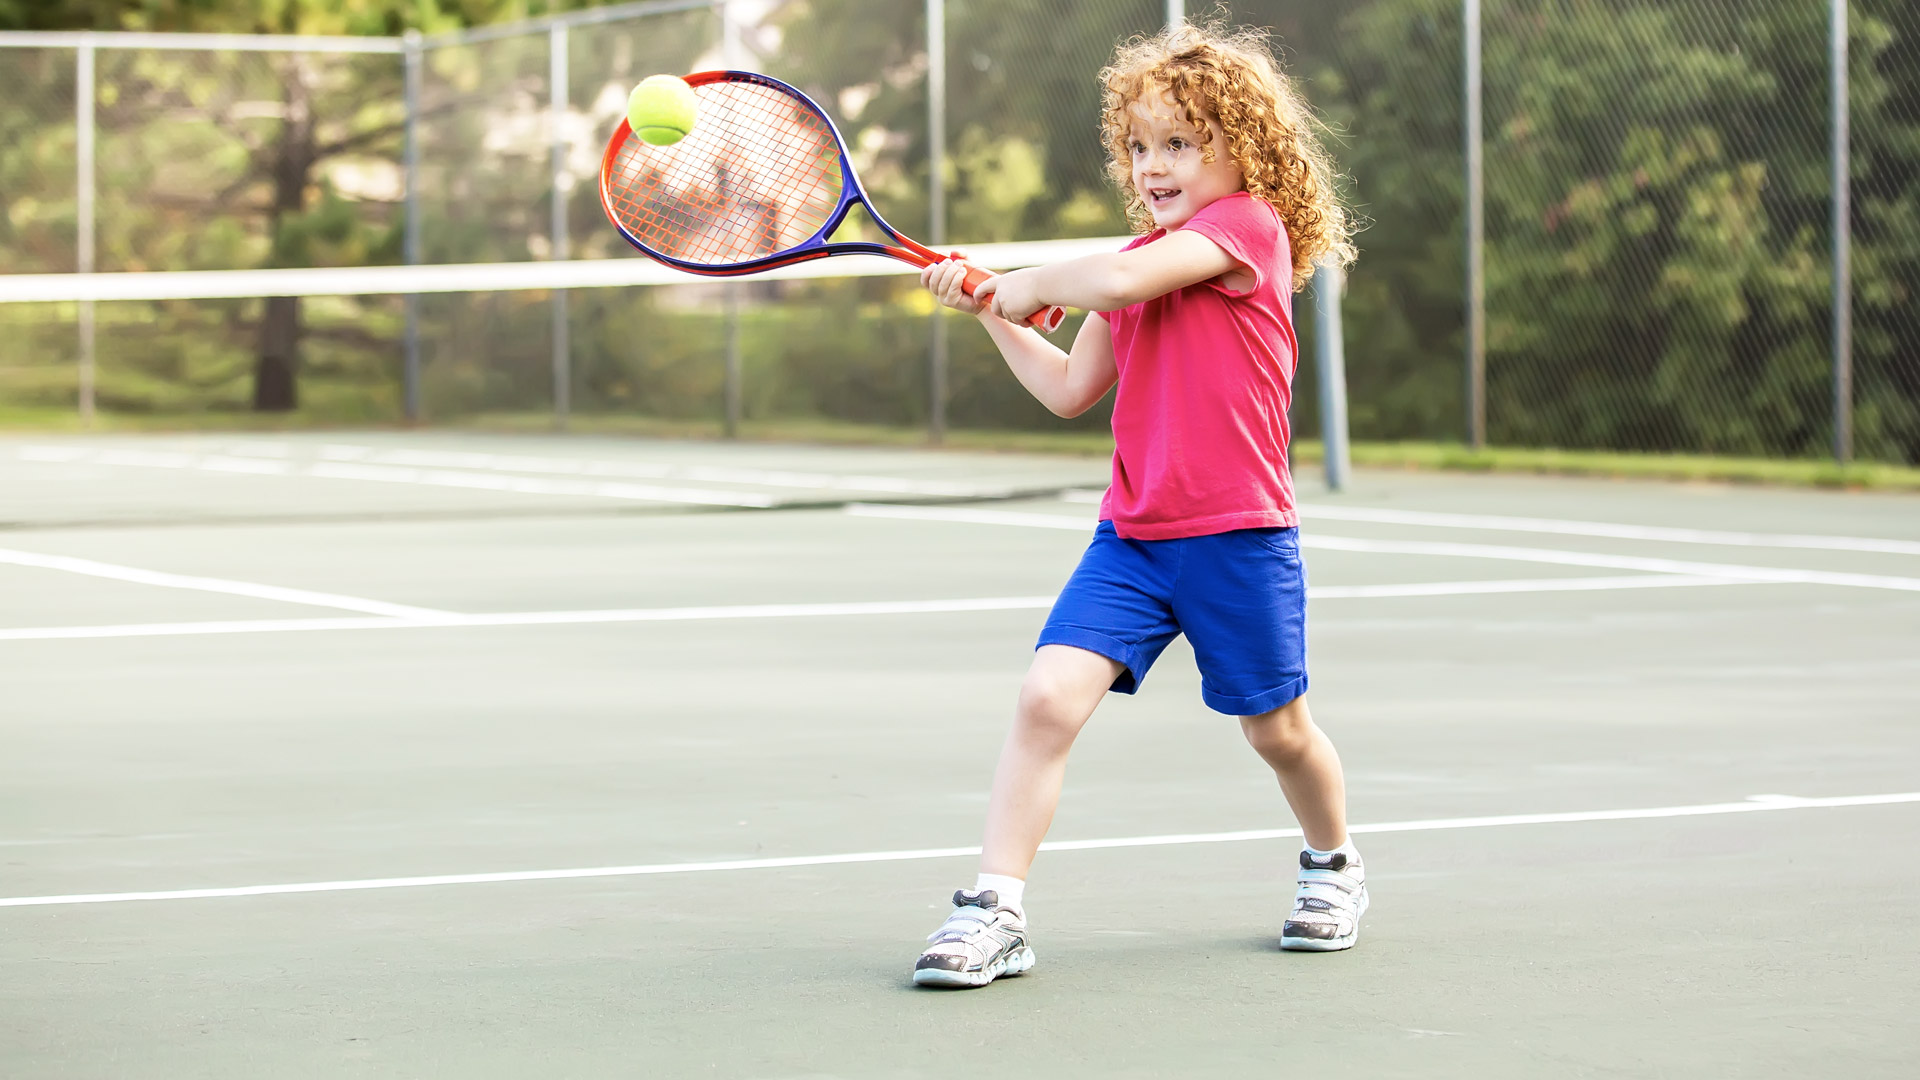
column 1168, row 170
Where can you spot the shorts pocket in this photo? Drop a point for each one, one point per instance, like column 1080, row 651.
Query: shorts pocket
column 1284, row 542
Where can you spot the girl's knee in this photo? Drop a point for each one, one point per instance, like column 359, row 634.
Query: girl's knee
column 1046, row 705
column 1051, row 707
column 1283, row 734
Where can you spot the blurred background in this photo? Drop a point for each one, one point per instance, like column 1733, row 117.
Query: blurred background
column 1659, row 213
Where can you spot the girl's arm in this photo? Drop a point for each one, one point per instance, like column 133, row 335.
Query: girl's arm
column 1108, row 282
column 1067, row 383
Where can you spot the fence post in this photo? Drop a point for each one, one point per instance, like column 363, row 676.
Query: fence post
column 1476, row 239
column 410, row 378
column 1176, row 12
column 83, row 119
column 938, row 355
column 559, row 181
column 1842, row 237
column 1331, row 352
column 730, row 58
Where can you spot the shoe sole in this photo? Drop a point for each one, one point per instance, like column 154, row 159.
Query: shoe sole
column 1307, row 944
column 1017, row 962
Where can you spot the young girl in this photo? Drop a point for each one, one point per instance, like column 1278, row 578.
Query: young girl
column 1215, row 154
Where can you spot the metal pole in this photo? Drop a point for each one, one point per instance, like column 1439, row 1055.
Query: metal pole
column 410, row 377
column 730, row 55
column 1842, row 241
column 83, row 118
column 1476, row 240
column 1331, row 351
column 562, row 185
column 937, row 359
column 732, row 423
column 1176, row 12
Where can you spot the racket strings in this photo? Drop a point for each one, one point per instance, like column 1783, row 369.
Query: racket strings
column 759, row 174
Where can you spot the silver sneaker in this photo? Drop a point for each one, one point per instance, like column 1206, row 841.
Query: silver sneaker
column 1327, row 907
column 978, row 943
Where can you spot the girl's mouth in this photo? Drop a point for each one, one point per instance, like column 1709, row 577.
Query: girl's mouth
column 1162, row 196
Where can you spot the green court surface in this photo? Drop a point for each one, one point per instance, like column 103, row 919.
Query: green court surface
column 432, row 755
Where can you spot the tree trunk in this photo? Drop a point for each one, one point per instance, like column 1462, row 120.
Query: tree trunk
column 276, row 372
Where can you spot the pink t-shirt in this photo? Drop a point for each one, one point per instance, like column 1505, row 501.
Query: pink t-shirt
column 1206, row 374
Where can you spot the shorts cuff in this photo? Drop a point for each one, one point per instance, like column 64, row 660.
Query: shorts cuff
column 1095, row 642
column 1258, row 703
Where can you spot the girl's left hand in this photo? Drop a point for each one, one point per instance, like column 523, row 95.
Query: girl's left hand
column 1013, row 296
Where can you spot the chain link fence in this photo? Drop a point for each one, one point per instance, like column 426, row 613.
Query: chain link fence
column 1658, row 268
column 1886, row 227
column 37, row 220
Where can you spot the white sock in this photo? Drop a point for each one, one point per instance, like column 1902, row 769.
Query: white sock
column 1011, row 889
column 1352, row 853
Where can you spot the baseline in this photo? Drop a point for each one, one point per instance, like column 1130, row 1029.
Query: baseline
column 1754, row 804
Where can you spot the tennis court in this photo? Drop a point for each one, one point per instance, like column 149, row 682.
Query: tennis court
column 446, row 755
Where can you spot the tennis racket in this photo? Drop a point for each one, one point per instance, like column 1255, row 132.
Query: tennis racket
column 760, row 183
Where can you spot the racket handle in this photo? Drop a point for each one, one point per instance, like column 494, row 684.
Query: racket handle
column 1046, row 320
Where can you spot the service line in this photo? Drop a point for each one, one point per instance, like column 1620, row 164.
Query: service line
column 455, row 620
column 1575, row 527
column 1732, row 572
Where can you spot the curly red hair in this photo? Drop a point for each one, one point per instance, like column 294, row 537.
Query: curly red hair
column 1228, row 75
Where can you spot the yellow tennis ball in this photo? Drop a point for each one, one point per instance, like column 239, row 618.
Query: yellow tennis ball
column 661, row 109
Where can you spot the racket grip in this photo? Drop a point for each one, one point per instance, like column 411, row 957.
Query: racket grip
column 1046, row 320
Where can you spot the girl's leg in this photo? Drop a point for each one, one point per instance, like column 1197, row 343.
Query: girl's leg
column 1060, row 691
column 1308, row 767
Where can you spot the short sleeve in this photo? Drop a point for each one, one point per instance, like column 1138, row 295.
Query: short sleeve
column 1248, row 229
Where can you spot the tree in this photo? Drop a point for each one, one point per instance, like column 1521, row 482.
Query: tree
column 293, row 117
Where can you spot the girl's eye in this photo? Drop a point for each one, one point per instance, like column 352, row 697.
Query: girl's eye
column 1176, row 144
column 1138, row 148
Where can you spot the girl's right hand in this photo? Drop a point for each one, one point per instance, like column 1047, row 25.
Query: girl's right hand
column 943, row 280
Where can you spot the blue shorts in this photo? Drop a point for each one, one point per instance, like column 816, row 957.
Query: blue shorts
column 1240, row 597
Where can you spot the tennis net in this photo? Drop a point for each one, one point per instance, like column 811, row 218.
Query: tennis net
column 846, row 339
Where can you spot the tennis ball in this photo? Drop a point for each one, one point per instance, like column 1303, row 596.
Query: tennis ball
column 661, row 109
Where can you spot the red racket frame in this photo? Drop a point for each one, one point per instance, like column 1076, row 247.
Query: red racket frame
column 906, row 250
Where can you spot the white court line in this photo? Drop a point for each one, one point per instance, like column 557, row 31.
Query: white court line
column 1729, row 571
column 452, row 620
column 1754, row 805
column 1575, row 527
column 975, row 516
column 779, row 478
column 1496, row 523
column 1774, row 574
column 400, row 474
column 213, row 585
column 492, row 471
column 1518, row 585
column 395, row 474
column 770, row 611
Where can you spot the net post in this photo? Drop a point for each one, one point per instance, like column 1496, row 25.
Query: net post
column 939, row 345
column 410, row 376
column 83, row 118
column 1476, row 237
column 1842, row 235
column 559, row 182
column 1331, row 353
